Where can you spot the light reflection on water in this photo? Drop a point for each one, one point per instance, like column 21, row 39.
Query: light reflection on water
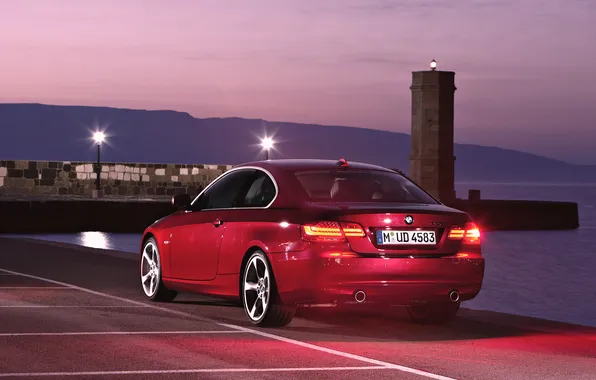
column 94, row 239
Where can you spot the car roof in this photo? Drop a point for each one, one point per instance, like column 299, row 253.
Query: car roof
column 296, row 164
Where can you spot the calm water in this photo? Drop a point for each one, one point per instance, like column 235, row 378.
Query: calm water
column 542, row 274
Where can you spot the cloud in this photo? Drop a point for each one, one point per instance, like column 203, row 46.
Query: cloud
column 384, row 6
column 382, row 60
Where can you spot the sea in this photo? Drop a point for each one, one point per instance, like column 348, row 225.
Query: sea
column 544, row 274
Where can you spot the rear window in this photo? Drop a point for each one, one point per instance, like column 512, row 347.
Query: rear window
column 361, row 186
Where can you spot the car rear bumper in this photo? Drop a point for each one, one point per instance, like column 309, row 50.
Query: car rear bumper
column 307, row 278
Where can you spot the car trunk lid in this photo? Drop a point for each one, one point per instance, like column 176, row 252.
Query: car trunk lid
column 401, row 230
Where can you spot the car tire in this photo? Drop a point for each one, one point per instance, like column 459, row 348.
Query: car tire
column 260, row 299
column 433, row 313
column 150, row 274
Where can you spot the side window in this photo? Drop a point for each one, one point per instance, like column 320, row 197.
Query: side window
column 224, row 192
column 260, row 192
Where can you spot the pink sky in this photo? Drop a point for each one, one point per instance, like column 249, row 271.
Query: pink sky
column 525, row 73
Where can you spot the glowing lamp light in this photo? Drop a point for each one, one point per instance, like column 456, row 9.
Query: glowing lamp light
column 99, row 137
column 267, row 143
column 433, row 65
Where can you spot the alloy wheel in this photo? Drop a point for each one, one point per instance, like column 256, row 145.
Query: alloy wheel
column 150, row 269
column 257, row 288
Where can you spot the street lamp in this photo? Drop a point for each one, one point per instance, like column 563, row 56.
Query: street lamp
column 267, row 143
column 433, row 65
column 98, row 137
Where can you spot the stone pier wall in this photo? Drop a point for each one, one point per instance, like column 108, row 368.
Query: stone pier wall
column 78, row 178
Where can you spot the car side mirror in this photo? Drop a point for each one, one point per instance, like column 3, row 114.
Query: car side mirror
column 181, row 201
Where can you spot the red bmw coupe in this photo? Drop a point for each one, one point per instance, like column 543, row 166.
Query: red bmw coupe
column 281, row 234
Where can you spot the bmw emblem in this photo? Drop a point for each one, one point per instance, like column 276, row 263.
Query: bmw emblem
column 409, row 219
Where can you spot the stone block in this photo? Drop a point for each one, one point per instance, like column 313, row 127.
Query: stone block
column 105, row 168
column 82, row 176
column 126, row 176
column 15, row 173
column 80, row 169
column 30, row 173
column 174, row 178
column 120, row 168
column 105, row 175
column 21, row 164
column 88, row 168
column 112, row 168
column 120, row 176
column 1, row 181
column 128, row 169
column 160, row 171
column 42, row 182
column 136, row 170
column 49, row 173
column 143, row 170
column 195, row 171
column 3, row 172
column 113, row 175
column 145, row 178
column 135, row 177
column 183, row 171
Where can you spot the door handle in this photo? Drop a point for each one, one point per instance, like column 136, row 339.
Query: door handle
column 217, row 222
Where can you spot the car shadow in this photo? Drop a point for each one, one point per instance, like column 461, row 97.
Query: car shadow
column 354, row 325
column 392, row 324
column 216, row 303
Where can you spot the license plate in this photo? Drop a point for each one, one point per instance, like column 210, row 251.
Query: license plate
column 406, row 237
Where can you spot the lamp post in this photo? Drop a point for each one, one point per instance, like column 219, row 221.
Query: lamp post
column 98, row 137
column 267, row 143
column 433, row 65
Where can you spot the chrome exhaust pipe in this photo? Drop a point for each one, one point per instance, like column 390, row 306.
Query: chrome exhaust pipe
column 454, row 295
column 360, row 296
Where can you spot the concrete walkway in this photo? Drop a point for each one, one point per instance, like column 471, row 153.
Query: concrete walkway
column 73, row 312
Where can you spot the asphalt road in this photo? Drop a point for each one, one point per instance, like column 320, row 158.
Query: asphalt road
column 74, row 312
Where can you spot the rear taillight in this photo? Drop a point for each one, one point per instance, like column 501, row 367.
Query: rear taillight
column 328, row 231
column 469, row 234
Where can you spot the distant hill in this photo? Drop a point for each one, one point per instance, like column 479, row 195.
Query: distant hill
column 45, row 132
